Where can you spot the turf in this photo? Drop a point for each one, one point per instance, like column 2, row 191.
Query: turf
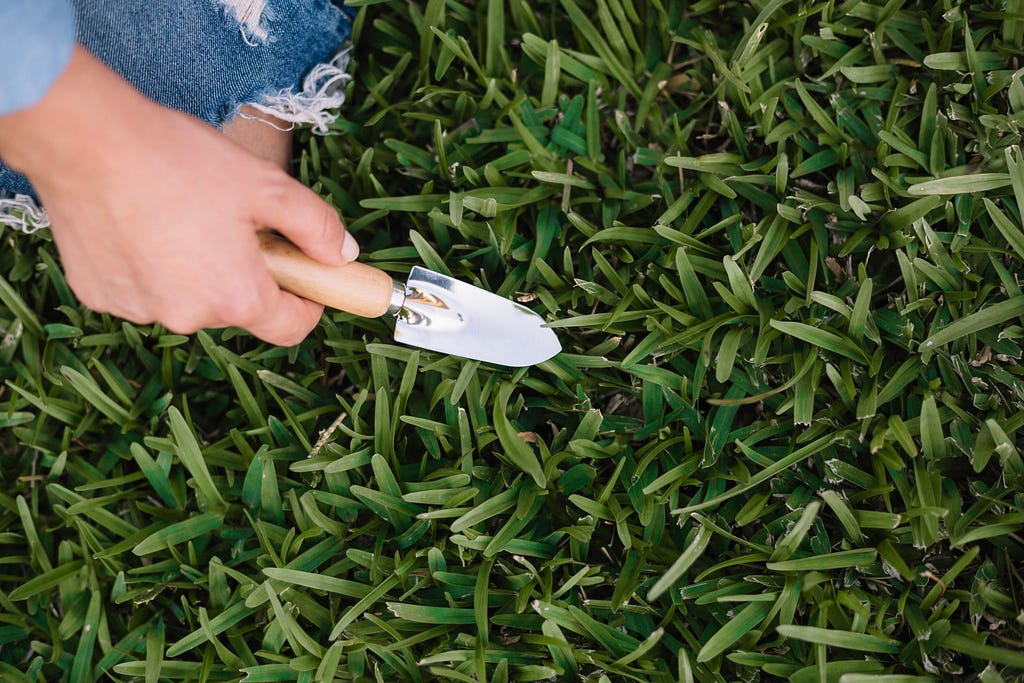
column 781, row 244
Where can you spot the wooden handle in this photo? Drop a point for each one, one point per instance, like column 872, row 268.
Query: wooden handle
column 354, row 287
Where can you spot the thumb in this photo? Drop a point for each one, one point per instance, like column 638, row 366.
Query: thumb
column 306, row 220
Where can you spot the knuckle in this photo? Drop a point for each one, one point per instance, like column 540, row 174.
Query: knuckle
column 95, row 301
column 180, row 323
column 240, row 308
column 328, row 228
column 277, row 185
column 333, row 230
column 90, row 300
column 289, row 327
column 135, row 316
column 289, row 338
column 86, row 295
column 329, row 236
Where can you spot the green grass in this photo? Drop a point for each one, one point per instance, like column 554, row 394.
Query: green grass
column 781, row 244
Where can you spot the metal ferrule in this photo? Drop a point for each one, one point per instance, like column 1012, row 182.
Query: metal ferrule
column 398, row 294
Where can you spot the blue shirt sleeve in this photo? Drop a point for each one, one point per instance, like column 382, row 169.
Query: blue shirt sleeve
column 38, row 39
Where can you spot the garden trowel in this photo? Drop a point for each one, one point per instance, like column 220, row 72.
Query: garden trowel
column 433, row 311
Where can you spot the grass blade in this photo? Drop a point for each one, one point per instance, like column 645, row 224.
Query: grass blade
column 861, row 642
column 191, row 457
column 685, row 560
column 734, row 629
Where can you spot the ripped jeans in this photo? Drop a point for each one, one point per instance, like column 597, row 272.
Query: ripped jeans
column 209, row 58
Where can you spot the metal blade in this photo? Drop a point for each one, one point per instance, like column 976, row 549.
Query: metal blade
column 443, row 314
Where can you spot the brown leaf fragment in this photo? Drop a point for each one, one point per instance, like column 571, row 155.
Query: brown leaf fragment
column 983, row 357
column 836, row 269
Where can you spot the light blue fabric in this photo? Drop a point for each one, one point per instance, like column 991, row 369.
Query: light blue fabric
column 195, row 56
column 36, row 41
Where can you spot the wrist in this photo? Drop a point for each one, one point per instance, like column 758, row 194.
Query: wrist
column 85, row 105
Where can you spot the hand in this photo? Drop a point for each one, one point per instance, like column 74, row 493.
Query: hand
column 156, row 215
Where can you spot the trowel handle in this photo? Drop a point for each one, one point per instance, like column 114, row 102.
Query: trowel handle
column 354, row 287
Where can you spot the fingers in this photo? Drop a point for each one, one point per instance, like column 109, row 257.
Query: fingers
column 274, row 316
column 288, row 321
column 311, row 224
column 266, row 311
column 307, row 220
column 246, row 296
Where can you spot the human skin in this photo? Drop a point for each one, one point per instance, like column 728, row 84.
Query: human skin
column 156, row 215
column 263, row 135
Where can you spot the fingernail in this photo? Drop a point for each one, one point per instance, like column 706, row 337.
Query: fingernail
column 350, row 248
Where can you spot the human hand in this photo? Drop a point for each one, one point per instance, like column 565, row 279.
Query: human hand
column 156, row 215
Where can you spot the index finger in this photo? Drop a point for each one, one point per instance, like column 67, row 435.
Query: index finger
column 305, row 219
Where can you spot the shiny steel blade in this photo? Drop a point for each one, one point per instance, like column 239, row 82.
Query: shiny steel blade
column 443, row 314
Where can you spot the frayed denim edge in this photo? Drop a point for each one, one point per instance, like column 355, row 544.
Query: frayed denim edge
column 22, row 213
column 315, row 104
column 249, row 15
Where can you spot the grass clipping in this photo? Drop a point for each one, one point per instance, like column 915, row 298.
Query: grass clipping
column 781, row 244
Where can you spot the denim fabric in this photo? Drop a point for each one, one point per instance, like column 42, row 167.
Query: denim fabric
column 36, row 43
column 203, row 57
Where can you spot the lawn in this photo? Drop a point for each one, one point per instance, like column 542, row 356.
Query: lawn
column 781, row 243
